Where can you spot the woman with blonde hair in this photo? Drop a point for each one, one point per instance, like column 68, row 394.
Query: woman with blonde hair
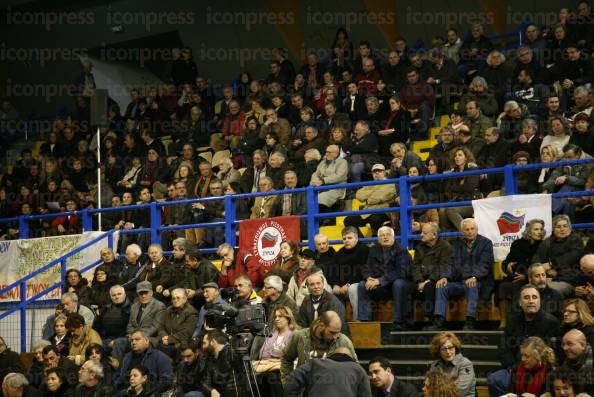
column 268, row 362
column 445, row 347
column 438, row 384
column 531, row 377
column 548, row 154
column 577, row 315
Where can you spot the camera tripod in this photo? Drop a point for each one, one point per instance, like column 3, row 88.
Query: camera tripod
column 251, row 381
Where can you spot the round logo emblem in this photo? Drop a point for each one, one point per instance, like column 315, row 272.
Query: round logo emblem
column 267, row 241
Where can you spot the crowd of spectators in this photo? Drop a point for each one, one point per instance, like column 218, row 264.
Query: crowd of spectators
column 140, row 326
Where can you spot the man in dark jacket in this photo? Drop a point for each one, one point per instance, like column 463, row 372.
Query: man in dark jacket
column 551, row 301
column 495, row 153
column 431, row 256
column 156, row 362
column 468, row 272
column 15, row 384
column 9, row 361
column 319, row 301
column 91, row 382
column 113, row 319
column 276, row 297
column 530, row 322
column 344, row 272
column 386, row 276
column 53, row 359
column 199, row 271
column 385, row 383
column 440, row 153
column 219, row 375
column 191, row 367
column 338, row 375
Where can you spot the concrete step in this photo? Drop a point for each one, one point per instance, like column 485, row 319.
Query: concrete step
column 421, row 352
column 474, row 338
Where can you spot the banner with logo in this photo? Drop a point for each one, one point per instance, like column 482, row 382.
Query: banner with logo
column 503, row 219
column 262, row 237
column 22, row 257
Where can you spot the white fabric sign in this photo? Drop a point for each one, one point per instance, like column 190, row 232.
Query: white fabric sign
column 19, row 258
column 503, row 219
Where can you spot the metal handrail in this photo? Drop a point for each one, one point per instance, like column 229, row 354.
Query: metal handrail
column 22, row 284
column 313, row 216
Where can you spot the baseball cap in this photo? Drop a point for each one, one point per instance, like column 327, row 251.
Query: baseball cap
column 144, row 286
column 378, row 167
column 307, row 253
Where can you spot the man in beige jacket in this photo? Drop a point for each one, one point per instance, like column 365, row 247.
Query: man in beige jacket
column 375, row 196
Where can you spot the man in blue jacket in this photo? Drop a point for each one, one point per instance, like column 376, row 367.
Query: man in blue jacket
column 468, row 272
column 386, row 275
column 157, row 363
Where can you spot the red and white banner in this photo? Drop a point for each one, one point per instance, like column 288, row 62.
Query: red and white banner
column 262, row 237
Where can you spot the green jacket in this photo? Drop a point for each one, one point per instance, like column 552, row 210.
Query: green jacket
column 301, row 348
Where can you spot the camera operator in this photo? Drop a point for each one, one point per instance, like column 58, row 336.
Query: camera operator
column 221, row 380
column 212, row 297
column 244, row 292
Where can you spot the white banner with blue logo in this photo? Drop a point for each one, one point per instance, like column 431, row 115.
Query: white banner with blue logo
column 503, row 219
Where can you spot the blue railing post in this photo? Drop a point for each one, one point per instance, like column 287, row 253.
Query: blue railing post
column 405, row 213
column 509, row 180
column 63, row 271
column 87, row 221
column 23, row 227
column 312, row 221
column 155, row 223
column 110, row 240
column 230, row 220
column 23, row 314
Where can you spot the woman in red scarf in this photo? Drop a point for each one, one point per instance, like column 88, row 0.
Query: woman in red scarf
column 532, row 375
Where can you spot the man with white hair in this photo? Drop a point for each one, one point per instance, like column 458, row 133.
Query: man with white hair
column 71, row 305
column 90, row 378
column 113, row 318
column 275, row 297
column 386, row 275
column 16, row 385
column 179, row 321
column 319, row 301
column 468, row 272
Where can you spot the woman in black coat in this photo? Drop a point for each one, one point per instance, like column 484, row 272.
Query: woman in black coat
column 516, row 264
column 56, row 384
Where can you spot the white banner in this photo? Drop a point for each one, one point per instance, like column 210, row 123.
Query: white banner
column 22, row 257
column 503, row 219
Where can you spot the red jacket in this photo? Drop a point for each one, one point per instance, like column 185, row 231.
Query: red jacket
column 70, row 223
column 367, row 82
column 245, row 264
column 233, row 124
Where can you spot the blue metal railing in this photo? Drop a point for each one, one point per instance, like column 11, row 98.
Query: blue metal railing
column 22, row 284
column 313, row 216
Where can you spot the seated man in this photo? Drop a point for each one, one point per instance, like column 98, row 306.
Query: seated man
column 344, row 272
column 374, row 196
column 53, row 359
column 212, row 297
column 276, row 297
column 296, row 289
column 578, row 360
column 16, row 384
column 319, row 301
column 469, row 272
column 385, row 276
column 585, row 288
column 431, row 256
column 145, row 314
column 190, row 370
column 91, row 382
column 113, row 318
column 71, row 305
column 551, row 301
column 331, row 170
column 385, row 383
column 245, row 292
column 179, row 322
column 233, row 264
column 530, row 322
column 264, row 205
column 157, row 363
column 198, row 272
column 324, row 253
